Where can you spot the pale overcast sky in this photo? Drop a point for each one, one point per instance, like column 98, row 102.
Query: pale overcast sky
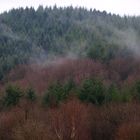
column 127, row 7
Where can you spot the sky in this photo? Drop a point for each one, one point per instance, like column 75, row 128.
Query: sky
column 121, row 7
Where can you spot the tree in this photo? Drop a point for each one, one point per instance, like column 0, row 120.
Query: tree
column 70, row 121
column 30, row 94
column 12, row 96
column 54, row 95
column 93, row 91
column 113, row 94
column 68, row 87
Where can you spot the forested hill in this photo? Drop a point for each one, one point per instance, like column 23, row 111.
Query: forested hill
column 28, row 33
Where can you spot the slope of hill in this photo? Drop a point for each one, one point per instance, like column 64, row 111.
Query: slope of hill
column 27, row 34
column 69, row 74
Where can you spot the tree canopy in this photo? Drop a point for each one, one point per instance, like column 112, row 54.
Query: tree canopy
column 29, row 33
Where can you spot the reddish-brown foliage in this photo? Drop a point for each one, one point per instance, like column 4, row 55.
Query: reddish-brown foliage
column 71, row 121
column 121, row 71
column 107, row 119
column 16, row 126
column 129, row 131
column 8, row 120
column 39, row 77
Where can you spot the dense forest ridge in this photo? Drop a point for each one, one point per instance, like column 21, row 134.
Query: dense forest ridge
column 65, row 7
column 51, row 45
column 29, row 35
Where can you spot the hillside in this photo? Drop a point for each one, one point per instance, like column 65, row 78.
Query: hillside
column 27, row 35
column 69, row 74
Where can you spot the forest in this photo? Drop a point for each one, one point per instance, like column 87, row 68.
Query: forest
column 69, row 74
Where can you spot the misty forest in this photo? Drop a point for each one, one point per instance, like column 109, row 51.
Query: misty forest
column 69, row 74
